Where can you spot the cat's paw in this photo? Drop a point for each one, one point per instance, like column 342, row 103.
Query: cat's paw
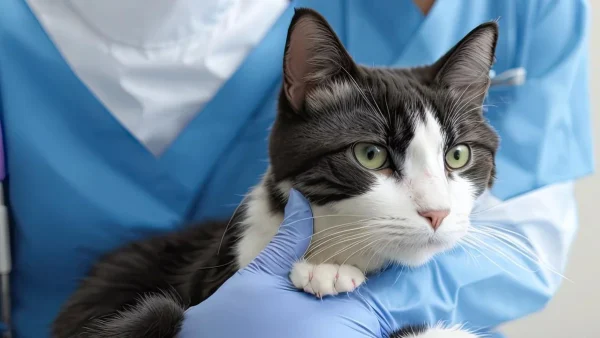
column 326, row 279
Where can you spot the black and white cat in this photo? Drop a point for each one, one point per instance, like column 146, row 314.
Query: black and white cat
column 391, row 160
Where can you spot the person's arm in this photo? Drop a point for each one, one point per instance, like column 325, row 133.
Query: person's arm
column 545, row 144
column 487, row 281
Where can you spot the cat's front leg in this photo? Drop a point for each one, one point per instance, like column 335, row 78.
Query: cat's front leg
column 326, row 279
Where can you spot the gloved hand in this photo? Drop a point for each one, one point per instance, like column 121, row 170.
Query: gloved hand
column 260, row 301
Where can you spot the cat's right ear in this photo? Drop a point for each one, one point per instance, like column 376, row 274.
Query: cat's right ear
column 313, row 54
column 465, row 68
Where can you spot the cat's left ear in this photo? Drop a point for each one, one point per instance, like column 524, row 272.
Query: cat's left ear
column 313, row 55
column 466, row 67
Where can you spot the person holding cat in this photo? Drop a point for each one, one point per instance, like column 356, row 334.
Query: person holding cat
column 125, row 119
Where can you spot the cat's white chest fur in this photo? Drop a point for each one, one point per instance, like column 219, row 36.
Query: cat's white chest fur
column 339, row 237
column 340, row 259
column 258, row 227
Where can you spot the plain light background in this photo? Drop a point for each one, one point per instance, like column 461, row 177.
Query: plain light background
column 575, row 312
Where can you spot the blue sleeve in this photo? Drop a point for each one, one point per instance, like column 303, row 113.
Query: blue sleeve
column 544, row 124
column 510, row 264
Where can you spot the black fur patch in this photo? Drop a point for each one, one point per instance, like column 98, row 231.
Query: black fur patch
column 409, row 331
column 157, row 276
column 154, row 316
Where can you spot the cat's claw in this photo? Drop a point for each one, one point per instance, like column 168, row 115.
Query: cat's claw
column 326, row 279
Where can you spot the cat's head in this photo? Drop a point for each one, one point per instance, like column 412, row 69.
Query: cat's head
column 404, row 151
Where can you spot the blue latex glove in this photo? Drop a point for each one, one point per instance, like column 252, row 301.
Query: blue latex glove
column 260, row 301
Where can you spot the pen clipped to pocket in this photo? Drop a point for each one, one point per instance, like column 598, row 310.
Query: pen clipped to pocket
column 510, row 77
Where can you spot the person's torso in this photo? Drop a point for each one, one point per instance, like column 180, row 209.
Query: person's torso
column 112, row 148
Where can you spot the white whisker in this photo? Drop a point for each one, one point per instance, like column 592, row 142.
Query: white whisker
column 474, row 247
column 519, row 248
column 498, row 251
column 344, row 237
column 351, row 246
column 321, row 250
column 229, row 223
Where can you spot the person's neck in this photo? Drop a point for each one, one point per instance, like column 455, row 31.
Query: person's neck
column 424, row 5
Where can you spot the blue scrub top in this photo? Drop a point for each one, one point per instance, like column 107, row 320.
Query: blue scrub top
column 79, row 184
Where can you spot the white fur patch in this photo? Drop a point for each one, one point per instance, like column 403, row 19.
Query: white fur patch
column 258, row 228
column 424, row 169
column 336, row 94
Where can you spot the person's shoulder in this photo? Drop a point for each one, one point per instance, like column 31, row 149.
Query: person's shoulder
column 566, row 10
column 533, row 28
column 531, row 12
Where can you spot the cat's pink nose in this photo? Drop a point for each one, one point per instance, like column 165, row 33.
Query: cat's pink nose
column 435, row 217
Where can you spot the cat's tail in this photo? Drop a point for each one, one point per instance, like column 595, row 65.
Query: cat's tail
column 153, row 316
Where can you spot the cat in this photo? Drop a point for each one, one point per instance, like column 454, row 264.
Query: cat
column 391, row 160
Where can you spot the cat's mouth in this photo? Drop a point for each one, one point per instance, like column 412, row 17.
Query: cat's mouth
column 417, row 250
column 441, row 242
column 421, row 236
column 435, row 240
column 384, row 233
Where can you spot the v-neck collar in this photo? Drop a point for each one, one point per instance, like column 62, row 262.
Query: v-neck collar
column 155, row 84
column 223, row 117
column 429, row 40
column 445, row 24
column 187, row 164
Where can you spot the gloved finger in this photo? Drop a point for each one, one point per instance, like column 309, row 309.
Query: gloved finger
column 292, row 239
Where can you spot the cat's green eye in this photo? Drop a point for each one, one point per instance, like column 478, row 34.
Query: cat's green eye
column 458, row 156
column 370, row 156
